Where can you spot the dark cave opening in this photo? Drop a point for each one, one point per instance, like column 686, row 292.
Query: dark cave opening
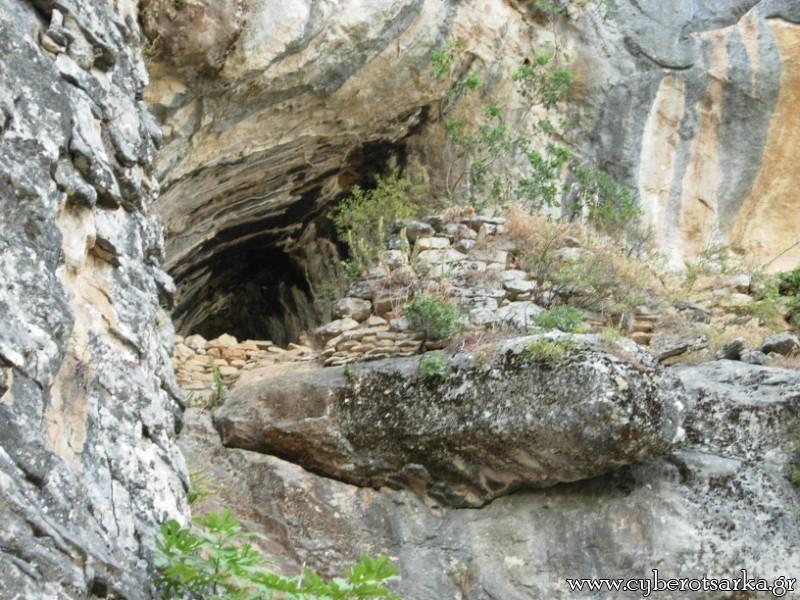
column 272, row 278
column 253, row 292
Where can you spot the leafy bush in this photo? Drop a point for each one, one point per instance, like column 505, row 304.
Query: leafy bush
column 546, row 349
column 611, row 207
column 565, row 318
column 543, row 187
column 789, row 283
column 433, row 366
column 766, row 310
column 215, row 560
column 432, row 316
column 611, row 336
column 541, row 83
column 361, row 218
column 219, row 386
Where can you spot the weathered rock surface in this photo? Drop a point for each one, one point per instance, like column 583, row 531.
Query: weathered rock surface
column 497, row 424
column 88, row 403
column 272, row 109
column 719, row 504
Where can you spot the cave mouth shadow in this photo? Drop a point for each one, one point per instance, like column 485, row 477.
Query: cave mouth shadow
column 252, row 292
column 273, row 278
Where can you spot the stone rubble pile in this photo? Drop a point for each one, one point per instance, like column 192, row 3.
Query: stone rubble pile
column 196, row 359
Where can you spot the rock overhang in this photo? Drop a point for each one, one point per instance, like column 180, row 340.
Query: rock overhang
column 517, row 421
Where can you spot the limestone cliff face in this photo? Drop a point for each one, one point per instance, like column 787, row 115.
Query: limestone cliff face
column 275, row 108
column 88, row 405
column 695, row 104
column 272, row 108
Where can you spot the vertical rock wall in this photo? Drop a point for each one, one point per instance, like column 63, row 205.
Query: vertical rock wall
column 88, row 406
column 695, row 105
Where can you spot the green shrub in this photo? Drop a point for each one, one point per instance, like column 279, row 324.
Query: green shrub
column 543, row 185
column 219, row 386
column 433, row 317
column 611, row 336
column 361, row 218
column 565, row 318
column 350, row 373
column 789, row 282
column 610, row 206
column 546, row 349
column 433, row 366
column 541, row 83
column 767, row 311
column 215, row 560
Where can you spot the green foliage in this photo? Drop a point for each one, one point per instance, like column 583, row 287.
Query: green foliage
column 611, row 207
column 611, row 335
column 433, row 366
column 547, row 349
column 179, row 4
column 219, row 386
column 482, row 153
column 361, row 218
column 201, row 486
column 350, row 373
column 565, row 318
column 216, row 561
column 541, row 83
column 789, row 282
column 444, row 58
column 766, row 310
column 542, row 187
column 432, row 316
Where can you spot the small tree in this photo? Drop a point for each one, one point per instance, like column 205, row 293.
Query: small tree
column 361, row 219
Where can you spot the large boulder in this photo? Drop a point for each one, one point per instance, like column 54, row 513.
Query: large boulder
column 530, row 412
column 719, row 504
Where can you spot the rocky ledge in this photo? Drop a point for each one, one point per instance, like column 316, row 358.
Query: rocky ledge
column 526, row 412
column 719, row 503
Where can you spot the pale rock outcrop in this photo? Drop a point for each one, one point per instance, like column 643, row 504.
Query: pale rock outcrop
column 89, row 408
column 503, row 419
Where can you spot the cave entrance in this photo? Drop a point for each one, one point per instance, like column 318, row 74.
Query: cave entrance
column 275, row 277
column 256, row 290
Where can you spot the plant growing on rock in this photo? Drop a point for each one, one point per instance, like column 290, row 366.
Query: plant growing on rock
column 480, row 154
column 201, row 486
column 568, row 267
column 433, row 317
column 547, row 349
column 218, row 390
column 565, row 318
column 433, row 366
column 215, row 560
column 361, row 219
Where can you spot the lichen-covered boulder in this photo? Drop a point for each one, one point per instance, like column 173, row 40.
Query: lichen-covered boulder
column 530, row 412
